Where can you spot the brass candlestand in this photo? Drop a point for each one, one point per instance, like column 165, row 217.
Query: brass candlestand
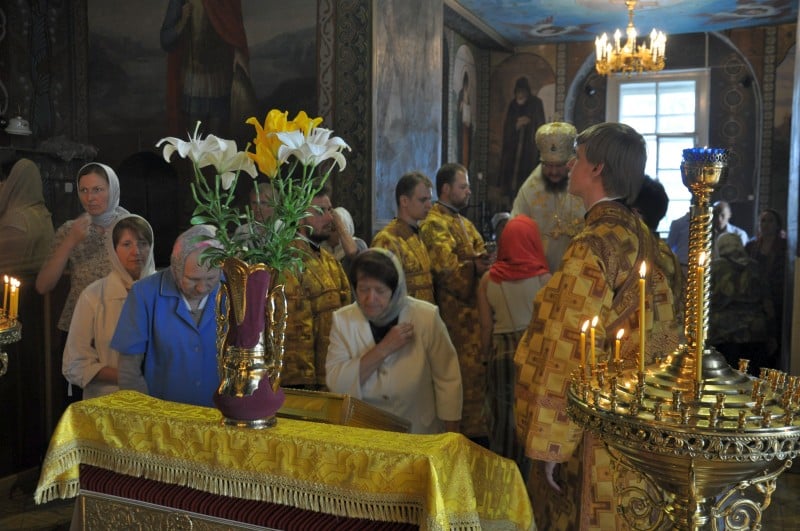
column 711, row 441
column 10, row 332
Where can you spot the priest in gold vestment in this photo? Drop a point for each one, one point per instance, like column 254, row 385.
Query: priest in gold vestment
column 458, row 259
column 312, row 296
column 571, row 479
column 401, row 235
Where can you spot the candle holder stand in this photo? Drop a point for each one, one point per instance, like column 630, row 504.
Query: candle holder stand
column 10, row 332
column 709, row 441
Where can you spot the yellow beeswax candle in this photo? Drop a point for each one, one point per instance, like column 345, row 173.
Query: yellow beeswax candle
column 642, row 315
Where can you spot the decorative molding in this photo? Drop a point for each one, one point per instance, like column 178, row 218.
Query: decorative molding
column 3, row 90
column 326, row 31
column 103, row 511
column 352, row 107
column 768, row 127
column 472, row 28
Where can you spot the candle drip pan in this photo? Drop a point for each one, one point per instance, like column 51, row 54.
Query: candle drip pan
column 709, row 443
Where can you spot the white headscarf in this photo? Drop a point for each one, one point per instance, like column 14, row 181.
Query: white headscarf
column 149, row 266
column 113, row 210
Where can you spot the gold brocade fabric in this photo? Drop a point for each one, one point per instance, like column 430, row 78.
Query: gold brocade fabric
column 436, row 481
column 598, row 277
column 312, row 296
column 453, row 242
column 398, row 237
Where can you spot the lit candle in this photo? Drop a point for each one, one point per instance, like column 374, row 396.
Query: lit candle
column 16, row 302
column 620, row 333
column 592, row 358
column 642, row 317
column 583, row 342
column 617, row 37
column 12, row 313
column 700, row 332
column 5, row 294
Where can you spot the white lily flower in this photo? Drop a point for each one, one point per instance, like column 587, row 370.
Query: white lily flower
column 312, row 150
column 195, row 149
column 229, row 162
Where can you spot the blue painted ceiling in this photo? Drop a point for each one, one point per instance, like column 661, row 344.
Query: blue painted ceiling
column 525, row 22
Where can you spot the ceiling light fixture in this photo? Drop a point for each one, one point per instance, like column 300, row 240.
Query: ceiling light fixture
column 630, row 58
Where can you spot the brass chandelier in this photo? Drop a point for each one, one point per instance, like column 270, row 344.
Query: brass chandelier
column 630, row 57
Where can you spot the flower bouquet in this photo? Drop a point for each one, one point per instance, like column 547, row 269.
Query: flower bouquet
column 297, row 156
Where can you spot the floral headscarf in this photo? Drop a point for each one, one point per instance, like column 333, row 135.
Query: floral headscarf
column 149, row 266
column 113, row 210
column 197, row 237
column 399, row 295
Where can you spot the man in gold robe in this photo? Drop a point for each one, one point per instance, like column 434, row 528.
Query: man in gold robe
column 571, row 478
column 312, row 296
column 458, row 259
column 543, row 196
column 401, row 235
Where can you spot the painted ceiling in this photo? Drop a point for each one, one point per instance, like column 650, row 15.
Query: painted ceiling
column 516, row 23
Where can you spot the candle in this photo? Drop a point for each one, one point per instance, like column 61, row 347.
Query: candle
column 700, row 340
column 642, row 317
column 5, row 294
column 583, row 342
column 620, row 333
column 12, row 313
column 592, row 358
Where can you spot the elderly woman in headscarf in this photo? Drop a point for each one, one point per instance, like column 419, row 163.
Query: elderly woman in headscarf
column 393, row 351
column 505, row 304
column 166, row 334
column 26, row 229
column 740, row 306
column 89, row 361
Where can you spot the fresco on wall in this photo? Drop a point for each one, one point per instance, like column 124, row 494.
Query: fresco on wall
column 781, row 146
column 522, row 98
column 266, row 58
column 464, row 83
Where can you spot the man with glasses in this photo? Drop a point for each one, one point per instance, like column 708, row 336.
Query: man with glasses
column 544, row 197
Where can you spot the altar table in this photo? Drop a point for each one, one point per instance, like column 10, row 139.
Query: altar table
column 432, row 481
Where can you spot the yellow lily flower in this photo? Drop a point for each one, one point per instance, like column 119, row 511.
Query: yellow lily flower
column 305, row 123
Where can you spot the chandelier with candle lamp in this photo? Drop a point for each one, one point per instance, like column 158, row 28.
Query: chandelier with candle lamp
column 614, row 57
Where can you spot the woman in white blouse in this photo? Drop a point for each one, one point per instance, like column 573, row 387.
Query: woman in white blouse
column 393, row 351
column 89, row 361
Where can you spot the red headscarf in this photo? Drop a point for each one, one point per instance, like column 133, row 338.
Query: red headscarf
column 520, row 253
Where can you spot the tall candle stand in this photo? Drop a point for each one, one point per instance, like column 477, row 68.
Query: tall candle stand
column 10, row 332
column 708, row 439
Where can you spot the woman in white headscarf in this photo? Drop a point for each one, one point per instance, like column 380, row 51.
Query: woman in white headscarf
column 79, row 244
column 393, row 351
column 89, row 361
column 26, row 229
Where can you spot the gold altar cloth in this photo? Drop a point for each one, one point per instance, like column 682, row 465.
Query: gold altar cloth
column 436, row 481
